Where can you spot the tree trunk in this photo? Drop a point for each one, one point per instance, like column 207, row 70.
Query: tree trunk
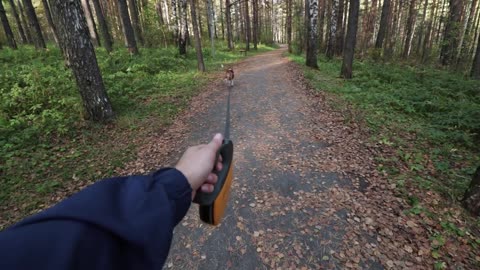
column 351, row 39
column 321, row 20
column 79, row 52
column 175, row 26
column 471, row 198
column 289, row 25
column 48, row 14
column 410, row 28
column 475, row 73
column 6, row 27
column 90, row 22
column 128, row 33
column 255, row 24
column 183, row 35
column 228, row 18
column 468, row 39
column 23, row 18
column 422, row 29
column 211, row 27
column 38, row 40
column 451, row 38
column 312, row 31
column 158, row 9
column 19, row 22
column 137, row 29
column 248, row 33
column 107, row 39
column 382, row 31
column 340, row 31
column 198, row 42
column 428, row 35
column 333, row 30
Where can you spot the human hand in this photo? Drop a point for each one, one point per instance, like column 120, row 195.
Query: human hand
column 198, row 162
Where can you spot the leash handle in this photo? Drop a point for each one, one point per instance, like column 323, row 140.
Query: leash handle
column 212, row 205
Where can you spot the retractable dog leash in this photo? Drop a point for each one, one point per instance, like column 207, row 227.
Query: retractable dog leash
column 212, row 205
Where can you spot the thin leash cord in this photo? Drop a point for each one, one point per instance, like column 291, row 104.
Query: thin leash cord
column 227, row 122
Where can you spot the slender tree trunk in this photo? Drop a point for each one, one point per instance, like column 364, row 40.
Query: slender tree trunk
column 312, row 31
column 410, row 29
column 468, row 39
column 107, row 39
column 440, row 22
column 382, row 31
column 211, row 27
column 38, row 40
column 23, row 18
column 79, row 52
column 350, row 41
column 451, row 39
column 255, row 24
column 128, row 33
column 18, row 21
column 90, row 22
column 49, row 20
column 228, row 18
column 167, row 12
column 175, row 25
column 198, row 44
column 333, row 30
column 340, row 31
column 248, row 33
column 183, row 35
column 6, row 27
column 289, row 25
column 475, row 73
column 137, row 29
column 321, row 25
column 158, row 9
column 428, row 34
column 422, row 29
column 222, row 19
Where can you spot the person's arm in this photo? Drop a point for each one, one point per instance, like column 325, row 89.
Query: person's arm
column 117, row 223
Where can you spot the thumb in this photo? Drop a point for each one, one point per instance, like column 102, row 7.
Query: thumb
column 216, row 142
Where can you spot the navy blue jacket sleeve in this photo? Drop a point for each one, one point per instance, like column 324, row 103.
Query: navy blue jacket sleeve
column 117, row 223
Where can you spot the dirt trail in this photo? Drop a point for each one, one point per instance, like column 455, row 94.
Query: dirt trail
column 306, row 194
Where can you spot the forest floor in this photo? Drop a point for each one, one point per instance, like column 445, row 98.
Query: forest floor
column 307, row 193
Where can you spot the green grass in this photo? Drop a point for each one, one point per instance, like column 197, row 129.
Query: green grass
column 430, row 116
column 46, row 146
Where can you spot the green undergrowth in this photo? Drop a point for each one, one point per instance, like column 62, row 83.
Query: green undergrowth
column 44, row 141
column 431, row 117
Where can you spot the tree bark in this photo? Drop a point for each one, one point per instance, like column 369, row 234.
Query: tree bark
column 471, row 198
column 48, row 14
column 451, row 38
column 312, row 31
column 38, row 40
column 183, row 34
column 228, row 19
column 468, row 39
column 333, row 30
column 422, row 29
column 340, row 31
column 289, row 25
column 255, row 24
column 92, row 27
column 78, row 50
column 428, row 35
column 137, row 29
column 198, row 44
column 128, row 33
column 351, row 39
column 382, row 31
column 107, row 39
column 211, row 27
column 158, row 9
column 19, row 22
column 22, row 12
column 475, row 73
column 6, row 27
column 410, row 29
column 248, row 33
column 175, row 26
column 321, row 20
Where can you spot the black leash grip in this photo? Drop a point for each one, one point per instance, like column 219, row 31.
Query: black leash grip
column 212, row 205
